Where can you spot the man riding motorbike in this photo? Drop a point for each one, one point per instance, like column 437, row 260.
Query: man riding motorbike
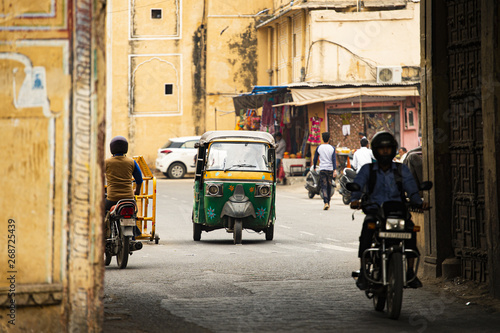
column 386, row 181
column 119, row 172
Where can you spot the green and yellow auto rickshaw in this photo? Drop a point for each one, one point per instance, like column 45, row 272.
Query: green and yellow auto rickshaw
column 235, row 183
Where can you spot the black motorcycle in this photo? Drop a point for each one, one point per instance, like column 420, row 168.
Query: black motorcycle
column 314, row 187
column 121, row 228
column 348, row 176
column 384, row 264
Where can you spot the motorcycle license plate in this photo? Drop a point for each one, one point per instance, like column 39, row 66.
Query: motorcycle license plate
column 127, row 222
column 401, row 235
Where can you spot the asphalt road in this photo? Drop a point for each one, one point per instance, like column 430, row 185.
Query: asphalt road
column 299, row 282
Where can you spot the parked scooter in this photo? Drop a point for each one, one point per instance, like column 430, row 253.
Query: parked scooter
column 314, row 187
column 348, row 175
column 121, row 222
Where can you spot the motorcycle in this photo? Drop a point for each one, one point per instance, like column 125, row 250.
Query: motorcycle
column 121, row 223
column 348, row 175
column 314, row 187
column 384, row 264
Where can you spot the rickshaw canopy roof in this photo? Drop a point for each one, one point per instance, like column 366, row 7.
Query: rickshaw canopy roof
column 239, row 135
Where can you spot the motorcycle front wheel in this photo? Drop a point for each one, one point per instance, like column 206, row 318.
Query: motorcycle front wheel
column 395, row 287
column 123, row 250
column 346, row 199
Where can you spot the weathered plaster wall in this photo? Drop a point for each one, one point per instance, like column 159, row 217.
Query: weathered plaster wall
column 362, row 41
column 208, row 55
column 50, row 115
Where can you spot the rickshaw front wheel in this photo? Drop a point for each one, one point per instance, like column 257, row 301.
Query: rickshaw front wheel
column 238, row 228
column 196, row 232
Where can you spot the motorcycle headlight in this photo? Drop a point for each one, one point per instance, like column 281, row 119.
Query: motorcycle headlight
column 263, row 190
column 394, row 224
column 214, row 190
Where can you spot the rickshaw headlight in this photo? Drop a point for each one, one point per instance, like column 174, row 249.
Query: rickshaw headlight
column 263, row 190
column 214, row 190
column 394, row 224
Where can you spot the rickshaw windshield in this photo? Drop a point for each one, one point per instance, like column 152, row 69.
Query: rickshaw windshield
column 239, row 156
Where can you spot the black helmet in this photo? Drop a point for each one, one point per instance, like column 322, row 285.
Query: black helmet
column 384, row 139
column 118, row 145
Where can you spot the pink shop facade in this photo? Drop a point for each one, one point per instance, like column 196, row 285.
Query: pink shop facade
column 371, row 114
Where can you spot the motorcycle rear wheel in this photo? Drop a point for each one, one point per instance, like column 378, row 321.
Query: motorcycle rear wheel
column 107, row 259
column 123, row 250
column 379, row 302
column 395, row 287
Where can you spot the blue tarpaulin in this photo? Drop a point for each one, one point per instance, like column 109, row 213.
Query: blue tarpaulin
column 256, row 98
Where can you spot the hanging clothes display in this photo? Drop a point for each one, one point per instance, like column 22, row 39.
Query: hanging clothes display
column 315, row 132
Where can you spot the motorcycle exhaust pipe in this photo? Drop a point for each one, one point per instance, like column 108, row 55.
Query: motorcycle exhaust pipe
column 135, row 246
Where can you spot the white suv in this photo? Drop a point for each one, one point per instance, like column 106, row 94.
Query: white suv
column 176, row 157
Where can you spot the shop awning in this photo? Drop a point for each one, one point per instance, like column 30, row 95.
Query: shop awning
column 318, row 95
column 256, row 98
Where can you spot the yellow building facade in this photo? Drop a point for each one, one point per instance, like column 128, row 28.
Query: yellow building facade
column 51, row 272
column 174, row 66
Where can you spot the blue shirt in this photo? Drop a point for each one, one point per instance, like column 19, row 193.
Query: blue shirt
column 386, row 188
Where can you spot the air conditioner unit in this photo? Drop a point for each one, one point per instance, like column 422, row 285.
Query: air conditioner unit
column 389, row 74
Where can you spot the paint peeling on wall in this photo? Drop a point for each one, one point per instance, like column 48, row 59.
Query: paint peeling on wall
column 199, row 81
column 244, row 46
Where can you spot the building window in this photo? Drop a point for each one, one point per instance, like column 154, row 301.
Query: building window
column 156, row 13
column 169, row 88
column 410, row 118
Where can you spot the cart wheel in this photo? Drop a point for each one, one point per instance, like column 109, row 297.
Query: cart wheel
column 196, row 232
column 157, row 238
column 238, row 228
column 270, row 232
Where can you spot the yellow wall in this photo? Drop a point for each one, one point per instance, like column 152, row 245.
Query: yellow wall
column 52, row 191
column 206, row 49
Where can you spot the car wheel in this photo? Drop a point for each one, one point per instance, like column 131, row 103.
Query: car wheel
column 176, row 170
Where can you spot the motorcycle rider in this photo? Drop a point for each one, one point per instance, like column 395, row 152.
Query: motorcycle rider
column 119, row 172
column 327, row 167
column 392, row 181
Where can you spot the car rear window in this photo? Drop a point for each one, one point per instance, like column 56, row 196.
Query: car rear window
column 172, row 144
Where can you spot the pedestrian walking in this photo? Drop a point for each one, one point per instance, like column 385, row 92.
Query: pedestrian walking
column 325, row 153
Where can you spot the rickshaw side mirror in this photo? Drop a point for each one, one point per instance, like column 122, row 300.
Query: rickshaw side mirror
column 270, row 155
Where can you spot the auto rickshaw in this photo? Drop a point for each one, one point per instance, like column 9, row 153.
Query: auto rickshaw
column 235, row 183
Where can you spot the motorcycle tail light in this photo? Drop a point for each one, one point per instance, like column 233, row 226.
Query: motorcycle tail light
column 416, row 228
column 127, row 212
column 371, row 225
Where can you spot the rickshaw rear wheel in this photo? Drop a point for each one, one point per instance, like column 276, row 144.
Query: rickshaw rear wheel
column 196, row 232
column 238, row 228
column 270, row 232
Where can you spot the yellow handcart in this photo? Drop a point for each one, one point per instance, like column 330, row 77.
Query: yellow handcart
column 147, row 197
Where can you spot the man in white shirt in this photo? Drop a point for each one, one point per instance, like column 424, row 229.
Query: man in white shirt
column 362, row 156
column 327, row 167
